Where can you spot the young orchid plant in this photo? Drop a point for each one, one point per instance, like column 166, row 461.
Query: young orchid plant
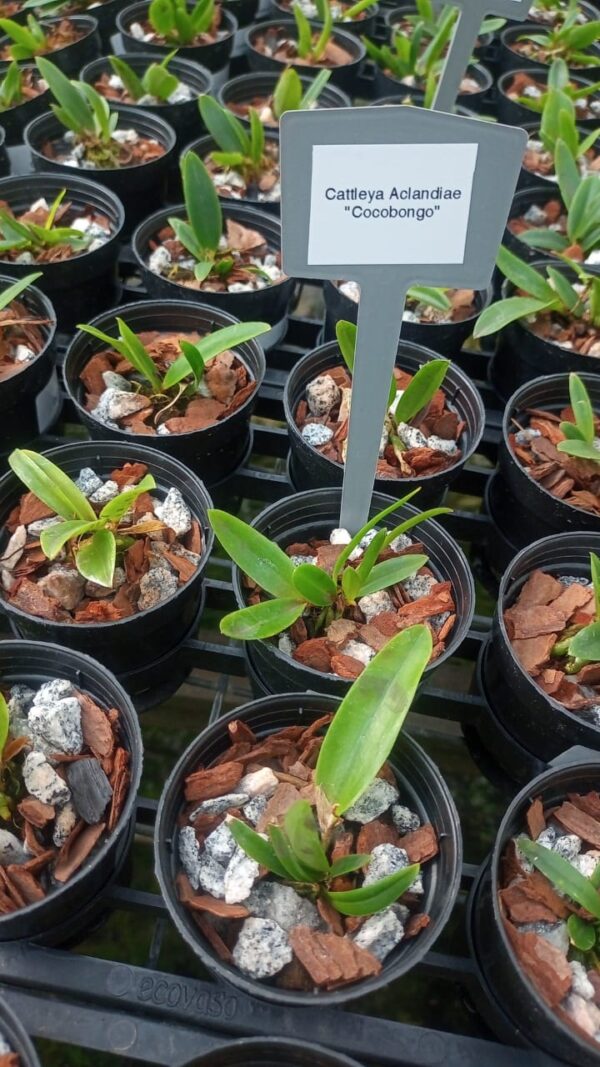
column 568, row 40
column 81, row 109
column 356, row 745
column 581, row 196
column 583, row 925
column 239, row 149
column 180, row 23
column 27, row 41
column 156, row 81
column 559, row 79
column 289, row 94
column 416, row 57
column 18, row 236
column 10, row 785
column 11, row 87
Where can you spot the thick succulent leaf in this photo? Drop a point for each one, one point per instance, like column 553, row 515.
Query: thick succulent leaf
column 373, row 898
column 54, row 537
column 262, row 560
column 189, row 363
column 115, row 509
column 262, row 620
column 128, row 76
column 370, row 557
column 582, row 407
column 202, row 205
column 391, row 571
column 67, row 93
column 13, row 291
column 293, row 865
column 288, row 92
column 595, row 572
column 421, row 389
column 523, row 276
column 138, row 355
column 51, row 485
column 301, row 830
column 370, row 717
column 223, row 127
column 581, row 933
column 350, row 584
column 497, row 316
column 314, row 584
column 562, row 874
column 315, row 89
column 229, row 337
column 563, row 288
column 256, row 847
column 585, row 644
column 567, row 172
column 435, row 298
column 544, row 239
column 580, row 449
column 95, row 560
column 347, row 864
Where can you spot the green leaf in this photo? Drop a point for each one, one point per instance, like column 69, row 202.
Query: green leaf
column 287, row 95
column 314, row 585
column 257, row 137
column 128, row 76
column 435, row 298
column 581, row 933
column 350, row 584
column 355, row 541
column 160, row 82
column 563, row 876
column 347, row 864
column 201, row 204
column 580, row 449
column 13, row 291
column 544, row 239
column 4, row 723
column 567, row 172
column 304, row 31
column 370, row 717
column 357, row 9
column 585, row 207
column 523, row 276
column 229, row 337
column 190, row 362
column 26, row 41
column 370, row 558
column 563, row 289
column 137, row 355
column 69, row 95
column 421, row 389
column 391, row 571
column 595, row 570
column 223, row 127
column 499, row 315
column 582, row 407
column 345, row 333
column 54, row 537
column 585, row 645
column 100, row 110
column 301, row 830
column 587, row 143
column 314, row 90
column 51, row 485
column 256, row 847
column 235, row 160
column 11, row 89
column 262, row 560
column 415, row 520
column 373, row 898
column 326, row 17
column 95, row 560
column 267, row 619
column 161, row 15
column 115, row 509
column 295, row 868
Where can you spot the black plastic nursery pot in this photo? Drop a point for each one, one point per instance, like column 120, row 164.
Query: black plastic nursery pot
column 263, row 305
column 509, row 59
column 316, row 513
column 513, row 1003
column 141, row 188
column 105, row 14
column 214, row 452
column 71, row 58
column 244, row 11
column 445, row 338
column 538, row 195
column 78, row 287
column 246, row 87
column 58, row 915
column 271, row 1052
column 538, row 723
column 420, row 783
column 4, row 157
column 503, row 540
column 19, row 392
column 538, row 512
column 211, row 56
column 515, row 114
column 130, row 646
column 184, row 118
column 310, row 469
column 205, row 145
column 17, row 1037
column 392, row 16
column 14, row 119
column 361, row 27
column 344, row 76
column 529, row 178
column 387, row 85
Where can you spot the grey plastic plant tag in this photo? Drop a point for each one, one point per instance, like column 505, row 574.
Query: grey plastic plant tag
column 466, row 32
column 391, row 197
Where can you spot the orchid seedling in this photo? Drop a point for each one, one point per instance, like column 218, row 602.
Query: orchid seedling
column 240, row 149
column 550, row 293
column 84, row 111
column 12, row 292
column 559, row 123
column 10, row 785
column 183, row 378
column 297, row 590
column 568, row 40
column 356, row 745
column 558, row 78
column 311, row 46
column 180, row 23
column 289, row 94
column 28, row 41
column 18, row 236
column 156, row 81
column 11, row 87
column 92, row 540
column 581, row 439
column 428, row 14
column 583, row 929
column 581, row 197
column 416, row 58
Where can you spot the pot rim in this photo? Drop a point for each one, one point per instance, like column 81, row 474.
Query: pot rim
column 180, row 65
column 48, row 308
column 49, row 20
column 348, row 40
column 122, row 26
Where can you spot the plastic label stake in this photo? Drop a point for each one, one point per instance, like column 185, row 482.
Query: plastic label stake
column 391, row 197
column 466, row 32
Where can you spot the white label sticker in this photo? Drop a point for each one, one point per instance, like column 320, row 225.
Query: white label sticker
column 394, row 203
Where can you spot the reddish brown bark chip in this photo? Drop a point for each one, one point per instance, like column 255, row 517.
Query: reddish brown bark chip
column 96, row 729
column 589, row 675
column 119, row 780
column 33, row 509
column 521, row 908
column 523, row 623
column 215, row 782
column 27, row 885
column 415, row 924
column 314, row 729
column 331, row 961
column 36, row 812
column 376, row 833
column 579, row 822
column 284, row 796
column 39, row 861
column 387, row 622
column 315, row 653
column 540, row 588
column 533, row 653
column 72, row 855
column 240, row 731
column 340, row 631
column 12, row 891
column 346, row 666
column 294, row 976
column 204, row 902
column 33, row 601
column 420, row 845
column 129, row 474
column 590, row 803
column 91, row 375
column 573, row 597
column 546, row 966
column 203, row 922
column 330, row 916
column 536, row 822
column 327, row 556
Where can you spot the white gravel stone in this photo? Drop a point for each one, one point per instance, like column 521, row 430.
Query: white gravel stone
column 88, row 481
column 254, row 809
column 410, row 436
column 180, row 95
column 259, row 783
column 262, row 948
column 56, row 689
column 555, row 933
column 115, row 404
column 156, row 585
column 35, row 528
column 568, row 846
column 380, row 933
column 4, row 1046
column 316, row 435
column 107, row 491
column 547, row 837
column 585, row 863
column 194, row 862
column 581, row 986
column 535, row 215
column 11, row 849
column 523, row 437
column 64, row 824
column 271, row 900
column 358, row 650
column 159, row 260
column 376, row 799
column 321, row 395
column 400, row 542
column 174, row 512
column 286, row 645
column 404, row 819
column 220, row 844
column 419, row 585
column 59, row 725
column 20, row 701
column 375, row 603
column 112, row 380
column 440, row 444
column 385, row 860
column 219, row 805
column 23, row 354
column 340, row 536
column 42, row 781
column 240, row 876
column 583, row 1012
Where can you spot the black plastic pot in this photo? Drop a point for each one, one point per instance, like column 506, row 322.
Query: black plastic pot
column 541, row 725
column 529, row 356
column 445, row 338
column 36, row 662
column 364, row 27
column 140, row 188
column 264, row 305
column 271, row 1052
column 243, row 11
column 424, row 791
column 522, row 201
column 315, row 514
column 515, row 114
column 508, row 59
column 212, row 453
column 205, row 145
column 15, row 119
column 311, row 470
column 183, row 118
column 71, row 58
column 105, row 14
column 388, row 86
column 344, row 77
column 17, row 1037
column 4, row 158
column 80, row 286
column 514, row 1002
column 18, row 394
column 503, row 540
column 132, row 644
column 242, row 89
column 211, row 56
column 537, row 509
column 394, row 15
column 529, row 179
